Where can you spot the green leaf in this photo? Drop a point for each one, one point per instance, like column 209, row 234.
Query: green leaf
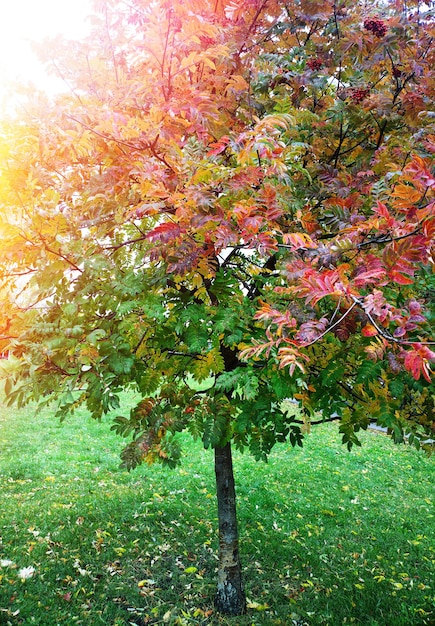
column 243, row 383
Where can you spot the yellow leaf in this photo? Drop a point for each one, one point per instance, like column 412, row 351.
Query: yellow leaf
column 379, row 578
column 197, row 280
column 238, row 83
column 257, row 606
column 209, row 63
column 188, row 61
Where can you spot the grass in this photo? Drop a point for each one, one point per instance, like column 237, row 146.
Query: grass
column 327, row 537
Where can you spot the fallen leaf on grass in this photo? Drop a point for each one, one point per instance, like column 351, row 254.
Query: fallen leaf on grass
column 257, row 606
column 146, row 583
column 26, row 572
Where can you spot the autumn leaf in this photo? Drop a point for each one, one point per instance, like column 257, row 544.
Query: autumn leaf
column 369, row 330
column 418, row 360
column 298, row 240
column 317, row 285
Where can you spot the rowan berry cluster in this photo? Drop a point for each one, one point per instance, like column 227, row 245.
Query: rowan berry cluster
column 314, row 64
column 376, row 26
column 358, row 94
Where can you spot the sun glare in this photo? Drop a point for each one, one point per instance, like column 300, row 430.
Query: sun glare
column 25, row 21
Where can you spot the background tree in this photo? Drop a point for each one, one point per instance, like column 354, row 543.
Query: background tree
column 236, row 195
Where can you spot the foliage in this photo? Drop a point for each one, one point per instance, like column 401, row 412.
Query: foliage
column 348, row 536
column 236, row 190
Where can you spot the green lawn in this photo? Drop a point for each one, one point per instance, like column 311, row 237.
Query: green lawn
column 327, row 536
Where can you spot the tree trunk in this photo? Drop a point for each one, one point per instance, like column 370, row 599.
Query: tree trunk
column 230, row 597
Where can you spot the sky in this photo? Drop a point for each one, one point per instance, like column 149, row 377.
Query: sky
column 23, row 21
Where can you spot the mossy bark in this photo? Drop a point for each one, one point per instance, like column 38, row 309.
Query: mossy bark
column 230, row 596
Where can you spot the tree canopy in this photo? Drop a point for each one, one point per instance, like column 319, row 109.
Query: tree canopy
column 232, row 204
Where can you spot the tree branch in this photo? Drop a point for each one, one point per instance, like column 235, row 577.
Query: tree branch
column 387, row 238
column 325, row 332
column 335, row 418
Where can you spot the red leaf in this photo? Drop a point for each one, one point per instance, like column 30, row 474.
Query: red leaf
column 252, row 224
column 369, row 330
column 166, row 232
column 402, row 258
column 372, row 271
column 417, row 361
column 315, row 285
column 383, row 211
column 266, row 312
column 376, row 303
column 418, row 170
column 312, row 330
column 219, row 146
column 299, row 240
column 399, row 278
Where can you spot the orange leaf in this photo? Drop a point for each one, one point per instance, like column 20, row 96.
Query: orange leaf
column 428, row 210
column 299, row 240
column 405, row 195
column 369, row 330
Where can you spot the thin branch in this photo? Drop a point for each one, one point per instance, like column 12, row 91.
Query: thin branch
column 23, row 273
column 325, row 332
column 233, row 253
column 387, row 238
column 167, row 93
column 251, row 27
column 337, row 27
column 58, row 254
column 112, row 48
column 191, row 355
column 62, row 77
column 337, row 308
column 140, row 342
column 386, row 335
column 119, row 142
column 322, row 421
column 125, row 243
column 152, row 148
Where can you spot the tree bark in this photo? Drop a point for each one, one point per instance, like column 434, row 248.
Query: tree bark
column 230, row 596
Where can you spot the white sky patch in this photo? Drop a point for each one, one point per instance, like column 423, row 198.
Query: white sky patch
column 24, row 21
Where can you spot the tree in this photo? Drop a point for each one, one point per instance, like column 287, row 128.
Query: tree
column 232, row 205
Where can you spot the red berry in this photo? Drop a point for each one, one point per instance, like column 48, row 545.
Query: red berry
column 314, row 64
column 358, row 94
column 376, row 26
